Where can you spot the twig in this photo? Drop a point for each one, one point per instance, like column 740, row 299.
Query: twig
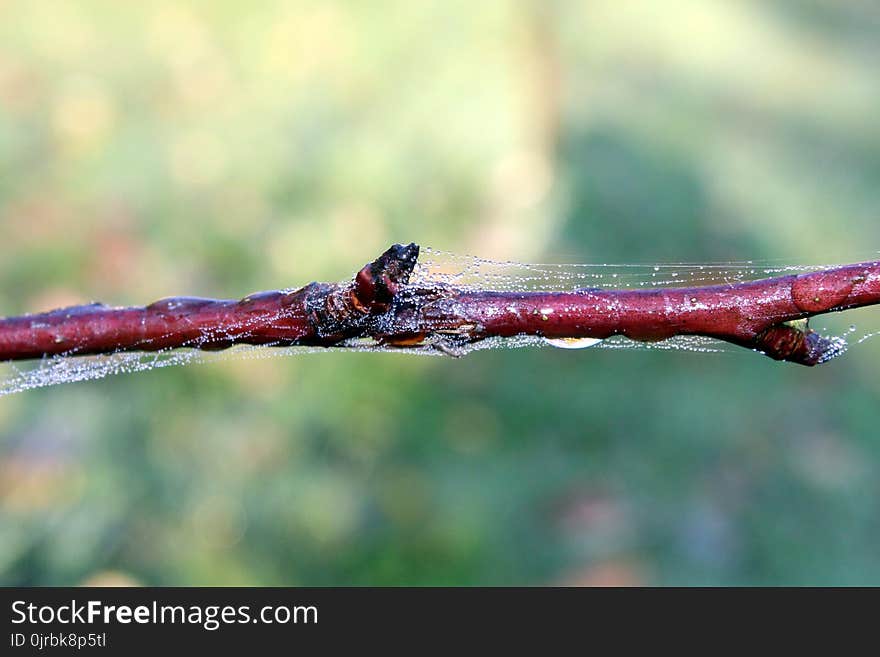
column 381, row 305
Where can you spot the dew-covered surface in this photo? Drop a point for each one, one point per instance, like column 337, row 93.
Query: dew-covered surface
column 56, row 370
column 441, row 268
column 474, row 273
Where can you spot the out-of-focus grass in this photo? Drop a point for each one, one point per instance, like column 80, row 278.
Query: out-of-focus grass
column 220, row 148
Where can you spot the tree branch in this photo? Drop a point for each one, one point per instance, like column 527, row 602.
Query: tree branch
column 381, row 305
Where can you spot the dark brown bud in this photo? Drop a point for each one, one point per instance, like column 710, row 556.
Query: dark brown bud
column 376, row 284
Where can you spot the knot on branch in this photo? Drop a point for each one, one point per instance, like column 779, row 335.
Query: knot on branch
column 822, row 291
column 338, row 312
column 376, row 285
column 797, row 343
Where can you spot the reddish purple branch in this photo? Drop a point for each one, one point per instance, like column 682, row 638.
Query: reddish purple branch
column 381, row 305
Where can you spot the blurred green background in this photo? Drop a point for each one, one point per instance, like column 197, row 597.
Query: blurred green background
column 218, row 148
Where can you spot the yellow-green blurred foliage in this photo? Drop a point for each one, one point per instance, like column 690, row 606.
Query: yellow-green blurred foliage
column 217, row 148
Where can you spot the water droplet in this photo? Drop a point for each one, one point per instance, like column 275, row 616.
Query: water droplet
column 572, row 343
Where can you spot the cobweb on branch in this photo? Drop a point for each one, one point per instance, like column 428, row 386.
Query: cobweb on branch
column 467, row 272
column 470, row 272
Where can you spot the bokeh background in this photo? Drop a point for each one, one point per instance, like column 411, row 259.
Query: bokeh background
column 218, row 148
